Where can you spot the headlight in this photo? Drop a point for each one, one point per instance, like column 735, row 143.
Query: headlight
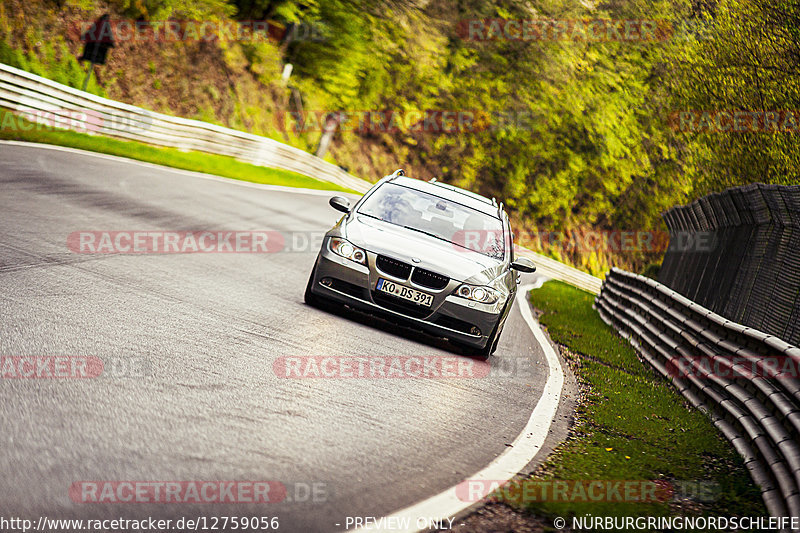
column 485, row 295
column 348, row 251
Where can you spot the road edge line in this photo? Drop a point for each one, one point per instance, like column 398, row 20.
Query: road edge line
column 508, row 464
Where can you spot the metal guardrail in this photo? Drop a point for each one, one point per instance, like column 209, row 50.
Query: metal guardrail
column 724, row 369
column 32, row 95
column 553, row 269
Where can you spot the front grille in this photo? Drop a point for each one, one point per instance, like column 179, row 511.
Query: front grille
column 400, row 306
column 393, row 267
column 429, row 279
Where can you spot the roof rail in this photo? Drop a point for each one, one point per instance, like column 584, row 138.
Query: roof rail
column 396, row 174
column 432, row 180
column 494, row 201
column 500, row 210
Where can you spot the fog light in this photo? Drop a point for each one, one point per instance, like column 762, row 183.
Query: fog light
column 327, row 282
column 474, row 330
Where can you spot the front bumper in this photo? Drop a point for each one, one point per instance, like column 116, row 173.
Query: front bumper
column 344, row 281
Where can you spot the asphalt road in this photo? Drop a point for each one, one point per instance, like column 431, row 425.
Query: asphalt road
column 189, row 341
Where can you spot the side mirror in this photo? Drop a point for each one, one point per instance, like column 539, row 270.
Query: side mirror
column 523, row 264
column 340, row 204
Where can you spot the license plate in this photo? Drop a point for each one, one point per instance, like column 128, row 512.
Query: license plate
column 401, row 291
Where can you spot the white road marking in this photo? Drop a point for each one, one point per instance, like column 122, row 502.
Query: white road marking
column 524, row 449
column 505, row 466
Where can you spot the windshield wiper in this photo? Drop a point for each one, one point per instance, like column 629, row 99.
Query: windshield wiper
column 428, row 233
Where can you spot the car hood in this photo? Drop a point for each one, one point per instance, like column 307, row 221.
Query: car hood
column 434, row 254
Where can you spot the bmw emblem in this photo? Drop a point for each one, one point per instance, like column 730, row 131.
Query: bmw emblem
column 415, row 259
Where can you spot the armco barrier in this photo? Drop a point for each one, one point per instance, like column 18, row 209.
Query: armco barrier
column 27, row 93
column 706, row 357
column 553, row 269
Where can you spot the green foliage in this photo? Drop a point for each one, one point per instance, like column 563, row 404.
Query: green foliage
column 573, row 135
column 54, row 62
column 745, row 57
column 264, row 60
column 177, row 9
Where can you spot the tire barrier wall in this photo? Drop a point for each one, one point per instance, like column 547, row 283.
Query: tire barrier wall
column 743, row 379
column 738, row 254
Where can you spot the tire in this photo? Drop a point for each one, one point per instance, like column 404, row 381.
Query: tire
column 309, row 297
column 494, row 338
column 496, row 342
column 491, row 343
column 485, row 352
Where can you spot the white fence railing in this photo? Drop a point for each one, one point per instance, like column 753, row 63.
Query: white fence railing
column 38, row 97
column 556, row 270
column 43, row 100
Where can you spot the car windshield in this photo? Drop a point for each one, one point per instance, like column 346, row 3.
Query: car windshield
column 436, row 217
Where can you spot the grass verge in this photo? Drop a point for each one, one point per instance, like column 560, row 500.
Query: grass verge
column 633, row 425
column 16, row 128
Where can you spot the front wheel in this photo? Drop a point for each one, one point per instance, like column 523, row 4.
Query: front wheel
column 491, row 343
column 309, row 297
column 494, row 338
column 485, row 352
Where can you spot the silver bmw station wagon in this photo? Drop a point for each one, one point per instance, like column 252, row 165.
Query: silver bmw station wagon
column 428, row 253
